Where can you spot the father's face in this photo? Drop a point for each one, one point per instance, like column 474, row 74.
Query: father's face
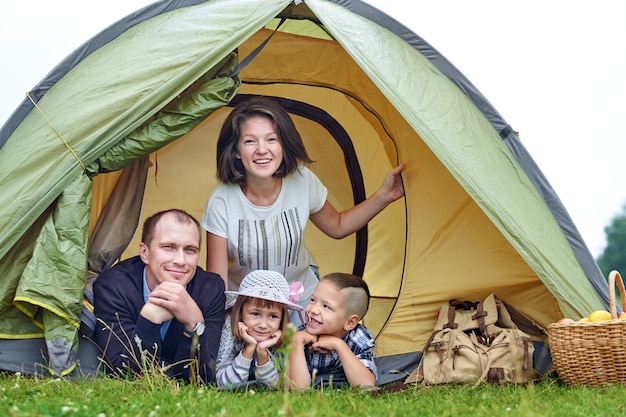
column 173, row 253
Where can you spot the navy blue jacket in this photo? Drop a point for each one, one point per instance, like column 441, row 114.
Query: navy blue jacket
column 118, row 299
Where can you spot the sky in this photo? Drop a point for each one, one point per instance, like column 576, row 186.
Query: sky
column 555, row 70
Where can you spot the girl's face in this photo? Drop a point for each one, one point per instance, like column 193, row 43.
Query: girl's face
column 262, row 322
column 259, row 147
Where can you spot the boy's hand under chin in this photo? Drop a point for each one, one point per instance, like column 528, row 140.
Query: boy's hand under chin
column 326, row 344
column 303, row 338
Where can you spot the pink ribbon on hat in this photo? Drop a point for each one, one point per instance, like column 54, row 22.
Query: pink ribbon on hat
column 295, row 291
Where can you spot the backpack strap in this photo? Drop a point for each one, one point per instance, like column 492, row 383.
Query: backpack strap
column 451, row 324
column 457, row 305
column 527, row 341
column 480, row 317
column 463, row 305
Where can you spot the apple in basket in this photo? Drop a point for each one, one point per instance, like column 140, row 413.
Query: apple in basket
column 622, row 316
column 566, row 320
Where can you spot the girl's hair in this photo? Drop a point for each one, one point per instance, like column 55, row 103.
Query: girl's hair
column 235, row 314
column 230, row 168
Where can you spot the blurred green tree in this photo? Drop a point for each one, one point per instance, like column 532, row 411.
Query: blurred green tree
column 614, row 254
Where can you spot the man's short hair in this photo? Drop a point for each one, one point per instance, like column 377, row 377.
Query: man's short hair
column 181, row 216
column 357, row 292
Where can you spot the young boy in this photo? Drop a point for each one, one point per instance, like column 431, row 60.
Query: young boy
column 333, row 348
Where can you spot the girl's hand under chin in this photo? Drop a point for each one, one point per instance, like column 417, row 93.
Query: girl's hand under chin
column 243, row 331
column 266, row 344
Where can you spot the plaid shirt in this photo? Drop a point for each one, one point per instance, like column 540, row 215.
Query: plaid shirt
column 327, row 367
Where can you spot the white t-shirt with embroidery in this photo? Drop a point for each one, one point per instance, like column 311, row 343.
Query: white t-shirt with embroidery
column 272, row 237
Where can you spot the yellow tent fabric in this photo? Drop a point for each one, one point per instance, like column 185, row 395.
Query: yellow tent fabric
column 421, row 252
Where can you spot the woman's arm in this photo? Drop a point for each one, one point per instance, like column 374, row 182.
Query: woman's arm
column 339, row 225
column 217, row 256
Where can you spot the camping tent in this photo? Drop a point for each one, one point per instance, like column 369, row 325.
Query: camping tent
column 126, row 126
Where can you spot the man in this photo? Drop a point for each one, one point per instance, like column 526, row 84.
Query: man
column 163, row 301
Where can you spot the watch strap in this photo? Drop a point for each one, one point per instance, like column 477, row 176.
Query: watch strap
column 192, row 332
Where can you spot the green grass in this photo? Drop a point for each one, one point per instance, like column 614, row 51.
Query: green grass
column 100, row 397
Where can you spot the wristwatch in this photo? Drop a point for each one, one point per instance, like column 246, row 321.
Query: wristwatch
column 198, row 329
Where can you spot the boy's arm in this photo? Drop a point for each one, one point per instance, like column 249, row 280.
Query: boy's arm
column 357, row 374
column 298, row 374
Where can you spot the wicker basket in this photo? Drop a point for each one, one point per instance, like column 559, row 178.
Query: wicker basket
column 592, row 353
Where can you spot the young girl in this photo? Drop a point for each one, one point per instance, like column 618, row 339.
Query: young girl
column 253, row 330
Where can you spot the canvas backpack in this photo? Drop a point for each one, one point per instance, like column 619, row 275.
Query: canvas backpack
column 474, row 343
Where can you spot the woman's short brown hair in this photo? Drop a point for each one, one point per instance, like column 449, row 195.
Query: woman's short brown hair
column 229, row 168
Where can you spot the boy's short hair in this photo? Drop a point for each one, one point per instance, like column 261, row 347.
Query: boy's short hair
column 357, row 292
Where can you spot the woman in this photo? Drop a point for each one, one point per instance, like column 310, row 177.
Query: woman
column 256, row 216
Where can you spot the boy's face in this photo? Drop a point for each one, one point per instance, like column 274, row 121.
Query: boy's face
column 325, row 311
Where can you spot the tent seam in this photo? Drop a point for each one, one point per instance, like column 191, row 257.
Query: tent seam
column 53, row 310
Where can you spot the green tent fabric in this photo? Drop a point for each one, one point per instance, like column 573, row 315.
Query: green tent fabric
column 145, row 97
column 59, row 255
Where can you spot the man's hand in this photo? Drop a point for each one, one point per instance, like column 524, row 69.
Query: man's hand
column 173, row 297
column 155, row 313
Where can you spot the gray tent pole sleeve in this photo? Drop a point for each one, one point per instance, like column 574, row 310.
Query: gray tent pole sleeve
column 115, row 229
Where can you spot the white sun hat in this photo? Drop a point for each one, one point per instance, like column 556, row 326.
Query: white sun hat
column 269, row 285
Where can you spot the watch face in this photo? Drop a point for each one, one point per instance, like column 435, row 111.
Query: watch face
column 200, row 329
